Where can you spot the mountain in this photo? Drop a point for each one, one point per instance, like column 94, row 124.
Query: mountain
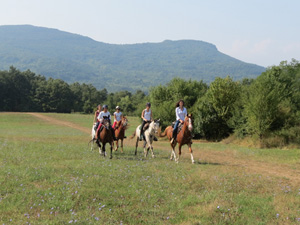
column 71, row 57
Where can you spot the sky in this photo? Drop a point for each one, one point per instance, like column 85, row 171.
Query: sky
column 263, row 32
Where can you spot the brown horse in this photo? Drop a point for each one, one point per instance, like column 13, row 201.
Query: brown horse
column 105, row 137
column 184, row 137
column 120, row 128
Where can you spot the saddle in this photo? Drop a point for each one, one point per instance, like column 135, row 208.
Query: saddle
column 146, row 126
column 180, row 125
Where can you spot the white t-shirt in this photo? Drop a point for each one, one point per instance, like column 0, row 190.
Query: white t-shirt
column 180, row 114
column 147, row 115
column 118, row 116
column 102, row 114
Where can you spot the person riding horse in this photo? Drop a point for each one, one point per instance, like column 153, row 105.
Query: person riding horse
column 117, row 116
column 104, row 114
column 147, row 119
column 96, row 121
column 181, row 113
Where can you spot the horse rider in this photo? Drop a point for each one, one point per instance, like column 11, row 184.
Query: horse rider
column 181, row 113
column 101, row 116
column 117, row 116
column 147, row 118
column 99, row 108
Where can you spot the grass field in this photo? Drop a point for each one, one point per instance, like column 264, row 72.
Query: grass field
column 49, row 176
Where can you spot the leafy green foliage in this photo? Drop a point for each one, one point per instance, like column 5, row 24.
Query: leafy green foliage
column 164, row 98
column 25, row 91
column 216, row 109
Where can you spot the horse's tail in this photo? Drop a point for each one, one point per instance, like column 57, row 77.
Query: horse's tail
column 133, row 135
column 164, row 133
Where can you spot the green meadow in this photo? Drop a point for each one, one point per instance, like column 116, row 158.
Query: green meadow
column 48, row 175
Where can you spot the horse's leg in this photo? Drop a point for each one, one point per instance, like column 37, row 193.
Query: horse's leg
column 103, row 150
column 173, row 153
column 151, row 146
column 136, row 144
column 122, row 145
column 191, row 151
column 111, row 149
column 117, row 145
column 145, row 150
column 179, row 152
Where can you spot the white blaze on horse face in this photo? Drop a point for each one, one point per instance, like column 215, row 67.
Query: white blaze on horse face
column 190, row 124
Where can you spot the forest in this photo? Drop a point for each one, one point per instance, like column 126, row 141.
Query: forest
column 265, row 110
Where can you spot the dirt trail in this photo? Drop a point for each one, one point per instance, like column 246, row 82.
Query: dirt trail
column 226, row 158
column 61, row 122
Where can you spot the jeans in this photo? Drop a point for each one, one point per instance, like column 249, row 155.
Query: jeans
column 175, row 129
column 143, row 124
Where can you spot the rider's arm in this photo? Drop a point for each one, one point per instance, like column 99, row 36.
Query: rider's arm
column 95, row 117
column 142, row 116
column 115, row 117
column 151, row 116
column 100, row 117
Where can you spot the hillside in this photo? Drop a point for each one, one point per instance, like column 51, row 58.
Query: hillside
column 73, row 57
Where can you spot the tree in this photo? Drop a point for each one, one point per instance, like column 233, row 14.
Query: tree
column 216, row 109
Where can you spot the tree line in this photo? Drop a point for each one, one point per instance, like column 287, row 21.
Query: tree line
column 25, row 91
column 267, row 108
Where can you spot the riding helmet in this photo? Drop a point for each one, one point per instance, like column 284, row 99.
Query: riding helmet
column 105, row 107
column 148, row 104
column 118, row 107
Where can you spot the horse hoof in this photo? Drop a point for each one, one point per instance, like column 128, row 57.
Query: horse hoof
column 110, row 157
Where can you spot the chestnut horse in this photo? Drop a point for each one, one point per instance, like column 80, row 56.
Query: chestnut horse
column 120, row 128
column 184, row 137
column 105, row 137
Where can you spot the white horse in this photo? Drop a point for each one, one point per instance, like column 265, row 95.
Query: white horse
column 149, row 135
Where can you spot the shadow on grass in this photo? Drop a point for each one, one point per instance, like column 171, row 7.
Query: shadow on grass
column 209, row 163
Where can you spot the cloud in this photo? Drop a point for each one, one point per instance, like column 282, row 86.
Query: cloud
column 262, row 46
column 239, row 46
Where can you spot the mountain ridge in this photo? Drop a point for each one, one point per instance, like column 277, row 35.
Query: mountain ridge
column 77, row 58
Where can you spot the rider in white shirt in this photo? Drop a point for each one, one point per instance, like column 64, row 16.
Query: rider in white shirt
column 101, row 116
column 117, row 116
column 181, row 113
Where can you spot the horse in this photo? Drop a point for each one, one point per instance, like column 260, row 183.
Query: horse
column 121, row 126
column 93, row 140
column 184, row 137
column 105, row 137
column 148, row 137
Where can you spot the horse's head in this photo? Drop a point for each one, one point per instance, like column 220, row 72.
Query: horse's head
column 124, row 121
column 155, row 125
column 106, row 122
column 189, row 121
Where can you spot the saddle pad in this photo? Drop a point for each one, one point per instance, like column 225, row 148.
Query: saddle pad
column 146, row 126
column 180, row 125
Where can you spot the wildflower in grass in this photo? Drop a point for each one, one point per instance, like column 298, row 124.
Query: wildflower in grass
column 168, row 218
column 71, row 221
column 277, row 215
column 96, row 218
column 218, row 207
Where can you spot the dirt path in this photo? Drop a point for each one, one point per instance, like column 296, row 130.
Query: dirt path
column 61, row 122
column 226, row 158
